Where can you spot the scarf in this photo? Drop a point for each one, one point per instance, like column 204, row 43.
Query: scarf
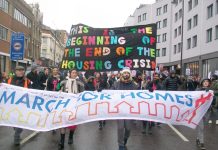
column 71, row 85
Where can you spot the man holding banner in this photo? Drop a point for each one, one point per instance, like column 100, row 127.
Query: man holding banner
column 125, row 83
column 19, row 80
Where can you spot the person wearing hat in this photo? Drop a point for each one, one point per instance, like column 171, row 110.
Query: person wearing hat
column 205, row 86
column 19, row 80
column 125, row 83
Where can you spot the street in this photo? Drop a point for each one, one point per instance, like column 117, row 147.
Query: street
column 89, row 137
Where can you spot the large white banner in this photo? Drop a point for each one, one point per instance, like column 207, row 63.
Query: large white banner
column 43, row 110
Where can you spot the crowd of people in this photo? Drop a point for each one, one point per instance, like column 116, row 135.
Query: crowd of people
column 72, row 81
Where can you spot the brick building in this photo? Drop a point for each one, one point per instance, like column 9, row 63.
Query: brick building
column 18, row 16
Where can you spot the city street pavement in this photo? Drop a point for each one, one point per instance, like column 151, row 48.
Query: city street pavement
column 89, row 137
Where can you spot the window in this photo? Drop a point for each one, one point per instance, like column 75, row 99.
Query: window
column 3, row 33
column 164, row 37
column 158, row 53
column 26, row 43
column 195, row 41
column 44, row 40
column 189, row 24
column 180, row 13
column 164, row 23
column 4, row 5
column 158, row 24
column 158, row 38
column 189, row 5
column 144, row 16
column 165, row 9
column 209, row 35
column 158, row 11
column 3, row 63
column 180, row 30
column 175, row 33
column 195, row 3
column 163, row 51
column 179, row 47
column 139, row 18
column 20, row 17
column 216, row 6
column 216, row 34
column 189, row 43
column 210, row 11
column 176, row 17
column 195, row 20
column 175, row 49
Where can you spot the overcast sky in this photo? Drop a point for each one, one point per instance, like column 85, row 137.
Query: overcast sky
column 61, row 14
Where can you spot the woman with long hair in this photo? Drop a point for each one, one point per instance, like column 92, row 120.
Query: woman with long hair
column 70, row 85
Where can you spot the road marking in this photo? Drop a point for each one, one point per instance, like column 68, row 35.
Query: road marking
column 178, row 133
column 29, row 137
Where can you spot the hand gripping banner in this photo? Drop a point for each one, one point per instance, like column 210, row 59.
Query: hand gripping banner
column 44, row 110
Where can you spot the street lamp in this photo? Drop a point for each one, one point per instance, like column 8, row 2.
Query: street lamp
column 182, row 30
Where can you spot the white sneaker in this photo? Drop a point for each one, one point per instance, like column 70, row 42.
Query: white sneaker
column 210, row 121
column 217, row 122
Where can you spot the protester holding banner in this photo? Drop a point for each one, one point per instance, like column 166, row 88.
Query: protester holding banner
column 19, row 80
column 100, row 83
column 151, row 86
column 71, row 85
column 205, row 85
column 125, row 83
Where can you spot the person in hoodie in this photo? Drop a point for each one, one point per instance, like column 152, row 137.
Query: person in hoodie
column 125, row 83
column 34, row 78
column 205, row 86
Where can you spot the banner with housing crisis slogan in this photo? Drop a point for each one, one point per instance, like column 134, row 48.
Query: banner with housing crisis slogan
column 107, row 49
column 45, row 110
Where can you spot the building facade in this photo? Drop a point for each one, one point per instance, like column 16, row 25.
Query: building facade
column 187, row 33
column 18, row 16
column 53, row 45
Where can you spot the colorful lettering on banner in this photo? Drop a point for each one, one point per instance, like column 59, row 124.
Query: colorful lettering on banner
column 110, row 49
column 45, row 110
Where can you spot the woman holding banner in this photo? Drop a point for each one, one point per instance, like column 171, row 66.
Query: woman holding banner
column 71, row 85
